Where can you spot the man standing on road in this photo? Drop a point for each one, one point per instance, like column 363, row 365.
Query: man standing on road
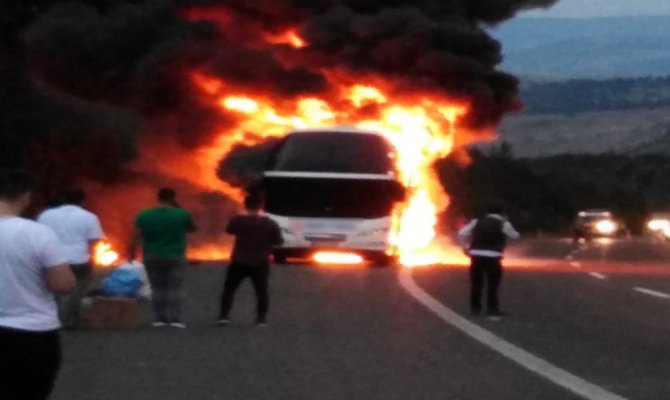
column 162, row 231
column 79, row 231
column 484, row 241
column 255, row 236
column 33, row 266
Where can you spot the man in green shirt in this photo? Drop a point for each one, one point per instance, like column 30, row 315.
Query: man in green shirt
column 162, row 231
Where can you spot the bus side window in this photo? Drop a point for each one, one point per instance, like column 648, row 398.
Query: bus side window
column 271, row 161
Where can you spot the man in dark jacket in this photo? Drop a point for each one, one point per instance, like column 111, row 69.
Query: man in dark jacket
column 484, row 240
column 255, row 236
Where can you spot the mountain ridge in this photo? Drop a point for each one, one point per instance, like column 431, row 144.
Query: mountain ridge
column 605, row 47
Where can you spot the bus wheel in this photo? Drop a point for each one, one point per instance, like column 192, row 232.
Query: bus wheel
column 384, row 261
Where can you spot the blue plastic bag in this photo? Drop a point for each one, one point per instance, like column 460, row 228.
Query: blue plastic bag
column 122, row 283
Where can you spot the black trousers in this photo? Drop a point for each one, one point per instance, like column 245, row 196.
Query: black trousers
column 237, row 273
column 485, row 271
column 29, row 363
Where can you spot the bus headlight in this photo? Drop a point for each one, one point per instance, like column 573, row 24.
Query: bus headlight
column 606, row 227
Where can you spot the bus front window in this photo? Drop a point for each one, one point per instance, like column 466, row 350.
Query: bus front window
column 331, row 198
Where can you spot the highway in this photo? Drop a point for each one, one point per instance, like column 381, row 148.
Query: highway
column 587, row 322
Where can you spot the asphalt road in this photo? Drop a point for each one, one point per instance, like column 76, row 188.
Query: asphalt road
column 357, row 333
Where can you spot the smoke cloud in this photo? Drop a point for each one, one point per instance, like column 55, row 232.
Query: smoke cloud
column 96, row 72
column 89, row 85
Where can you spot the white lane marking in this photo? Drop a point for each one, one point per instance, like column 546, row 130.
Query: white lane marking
column 597, row 275
column 576, row 264
column 527, row 360
column 652, row 292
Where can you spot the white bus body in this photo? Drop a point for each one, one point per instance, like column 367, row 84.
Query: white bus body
column 332, row 189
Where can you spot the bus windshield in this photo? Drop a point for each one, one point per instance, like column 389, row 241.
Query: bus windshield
column 335, row 152
column 331, row 198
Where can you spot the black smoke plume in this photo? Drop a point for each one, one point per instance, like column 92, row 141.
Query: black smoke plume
column 83, row 81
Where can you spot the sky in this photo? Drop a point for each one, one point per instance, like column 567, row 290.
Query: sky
column 603, row 8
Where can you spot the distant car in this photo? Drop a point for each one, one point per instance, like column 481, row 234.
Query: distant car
column 658, row 225
column 590, row 224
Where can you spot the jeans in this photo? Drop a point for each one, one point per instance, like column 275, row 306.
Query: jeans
column 485, row 270
column 259, row 275
column 69, row 304
column 29, row 363
column 166, row 276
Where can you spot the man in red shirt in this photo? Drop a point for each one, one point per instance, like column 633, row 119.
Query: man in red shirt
column 255, row 236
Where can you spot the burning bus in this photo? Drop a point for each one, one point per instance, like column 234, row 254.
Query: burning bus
column 333, row 193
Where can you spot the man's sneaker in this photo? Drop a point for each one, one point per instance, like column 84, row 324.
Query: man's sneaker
column 158, row 324
column 179, row 325
column 496, row 315
column 221, row 322
column 261, row 323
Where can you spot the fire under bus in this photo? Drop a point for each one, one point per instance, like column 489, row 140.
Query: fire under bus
column 333, row 193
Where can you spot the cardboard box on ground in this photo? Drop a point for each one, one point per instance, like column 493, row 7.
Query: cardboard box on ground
column 111, row 313
column 104, row 312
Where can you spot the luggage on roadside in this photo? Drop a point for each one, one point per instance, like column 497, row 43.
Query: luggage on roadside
column 122, row 282
column 145, row 289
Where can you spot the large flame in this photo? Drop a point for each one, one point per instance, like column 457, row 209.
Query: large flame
column 422, row 128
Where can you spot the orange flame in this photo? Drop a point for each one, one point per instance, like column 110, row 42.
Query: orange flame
column 289, row 37
column 423, row 128
column 337, row 258
column 213, row 251
column 104, row 255
column 420, row 139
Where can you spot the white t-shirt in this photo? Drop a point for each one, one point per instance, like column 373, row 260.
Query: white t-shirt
column 75, row 227
column 26, row 250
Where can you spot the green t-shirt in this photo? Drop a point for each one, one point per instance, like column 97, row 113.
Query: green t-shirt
column 164, row 231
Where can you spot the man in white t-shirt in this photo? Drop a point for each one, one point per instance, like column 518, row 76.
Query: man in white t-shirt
column 78, row 230
column 33, row 266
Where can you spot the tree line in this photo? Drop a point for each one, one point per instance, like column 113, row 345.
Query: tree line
column 544, row 194
column 587, row 95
